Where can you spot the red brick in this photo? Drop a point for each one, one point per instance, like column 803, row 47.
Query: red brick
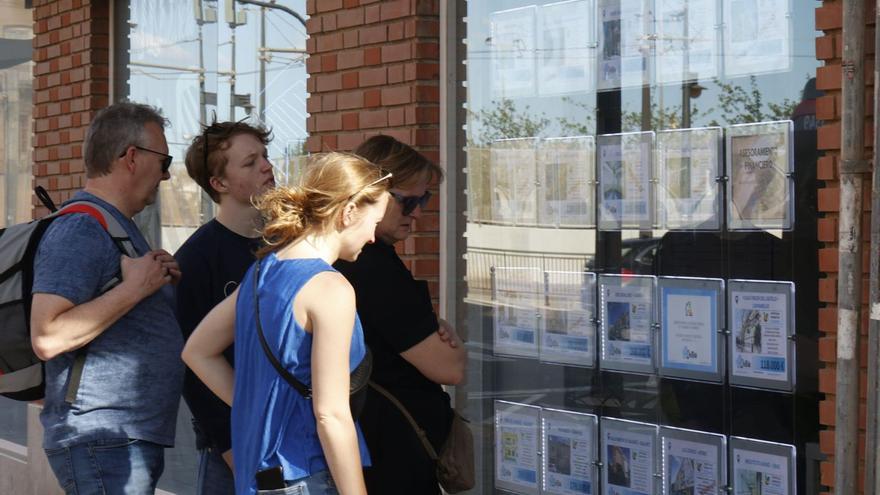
column 349, row 59
column 328, row 42
column 328, row 102
column 328, row 5
column 827, row 168
column 825, row 47
column 373, row 55
column 426, row 268
column 397, row 95
column 396, row 117
column 330, row 82
column 829, row 17
column 350, row 141
column 373, row 34
column 828, row 137
column 395, row 74
column 828, row 349
column 372, row 14
column 328, row 122
column 427, row 50
column 328, row 22
column 827, row 229
column 350, row 17
column 328, row 142
column 397, row 52
column 395, row 9
column 373, row 77
column 429, row 94
column 828, row 77
column 828, row 289
column 351, row 39
column 313, row 64
column 372, row 98
column 350, row 121
column 328, row 62
column 396, row 31
column 829, row 199
column 373, row 118
column 350, row 99
column 350, row 80
column 828, row 258
column 826, row 107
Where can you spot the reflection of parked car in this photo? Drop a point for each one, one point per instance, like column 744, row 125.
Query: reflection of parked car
column 637, row 256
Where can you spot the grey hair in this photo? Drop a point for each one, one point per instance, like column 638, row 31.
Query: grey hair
column 113, row 130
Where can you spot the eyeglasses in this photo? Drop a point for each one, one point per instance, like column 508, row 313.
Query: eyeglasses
column 380, row 179
column 166, row 161
column 409, row 203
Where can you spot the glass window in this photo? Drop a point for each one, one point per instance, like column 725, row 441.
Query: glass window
column 198, row 61
column 16, row 125
column 615, row 147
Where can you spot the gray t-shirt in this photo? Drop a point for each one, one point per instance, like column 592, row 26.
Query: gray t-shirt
column 132, row 379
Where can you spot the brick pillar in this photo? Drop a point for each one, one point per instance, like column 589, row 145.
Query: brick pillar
column 829, row 48
column 374, row 69
column 71, row 83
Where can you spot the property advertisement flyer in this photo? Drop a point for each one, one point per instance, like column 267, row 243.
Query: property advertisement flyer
column 513, row 52
column 689, row 328
column 627, row 322
column 568, row 329
column 513, row 181
column 629, row 462
column 569, row 450
column 757, row 36
column 517, row 443
column 760, row 473
column 623, row 52
column 516, row 301
column 566, row 169
column 759, row 187
column 691, row 467
column 687, row 40
column 760, row 328
column 689, row 193
column 567, row 47
column 625, row 172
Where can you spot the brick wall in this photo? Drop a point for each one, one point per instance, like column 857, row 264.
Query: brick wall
column 374, row 69
column 71, row 83
column 829, row 48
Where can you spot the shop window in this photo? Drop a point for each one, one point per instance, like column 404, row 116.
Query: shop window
column 640, row 220
column 16, row 124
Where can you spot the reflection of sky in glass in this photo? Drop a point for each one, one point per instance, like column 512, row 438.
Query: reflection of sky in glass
column 165, row 32
column 575, row 107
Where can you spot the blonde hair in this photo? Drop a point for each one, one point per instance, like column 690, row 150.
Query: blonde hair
column 330, row 181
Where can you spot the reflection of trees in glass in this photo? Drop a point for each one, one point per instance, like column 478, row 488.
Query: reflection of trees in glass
column 736, row 104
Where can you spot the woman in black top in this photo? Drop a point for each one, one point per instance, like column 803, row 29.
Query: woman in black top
column 414, row 352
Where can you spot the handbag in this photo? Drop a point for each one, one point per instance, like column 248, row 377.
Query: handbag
column 359, row 377
column 455, row 464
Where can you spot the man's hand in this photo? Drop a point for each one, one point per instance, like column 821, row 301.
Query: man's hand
column 145, row 275
column 169, row 263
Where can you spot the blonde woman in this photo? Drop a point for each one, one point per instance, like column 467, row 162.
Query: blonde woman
column 281, row 440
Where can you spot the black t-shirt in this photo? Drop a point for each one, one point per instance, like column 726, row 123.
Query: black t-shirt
column 396, row 314
column 213, row 261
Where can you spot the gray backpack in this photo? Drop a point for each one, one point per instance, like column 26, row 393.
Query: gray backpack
column 21, row 371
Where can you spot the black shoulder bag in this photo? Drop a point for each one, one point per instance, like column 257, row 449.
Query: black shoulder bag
column 359, row 377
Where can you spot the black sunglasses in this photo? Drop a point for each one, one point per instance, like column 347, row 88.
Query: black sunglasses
column 409, row 203
column 166, row 161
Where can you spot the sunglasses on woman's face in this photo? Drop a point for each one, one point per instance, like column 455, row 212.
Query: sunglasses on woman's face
column 409, row 203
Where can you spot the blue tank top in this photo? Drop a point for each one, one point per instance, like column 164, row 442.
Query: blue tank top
column 272, row 424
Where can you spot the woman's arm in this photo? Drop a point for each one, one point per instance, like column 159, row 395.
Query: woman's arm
column 329, row 302
column 203, row 352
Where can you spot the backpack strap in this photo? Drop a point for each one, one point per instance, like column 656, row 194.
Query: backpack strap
column 123, row 242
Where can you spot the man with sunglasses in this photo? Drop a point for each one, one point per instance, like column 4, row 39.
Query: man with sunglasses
column 414, row 352
column 108, row 434
column 228, row 161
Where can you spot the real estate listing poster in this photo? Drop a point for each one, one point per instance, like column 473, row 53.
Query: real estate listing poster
column 757, row 37
column 570, row 452
column 513, row 181
column 625, row 180
column 513, row 52
column 691, row 317
column 516, row 299
column 624, row 55
column 694, row 462
column 760, row 185
column 762, row 468
column 629, row 461
column 761, row 322
column 568, row 325
column 688, row 40
column 689, row 197
column 567, row 46
column 627, row 340
column 566, row 167
column 517, row 447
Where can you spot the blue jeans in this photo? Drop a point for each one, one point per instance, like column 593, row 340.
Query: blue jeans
column 215, row 477
column 108, row 466
column 317, row 484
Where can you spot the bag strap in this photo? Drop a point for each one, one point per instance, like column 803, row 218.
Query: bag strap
column 288, row 377
column 123, row 242
column 419, row 431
